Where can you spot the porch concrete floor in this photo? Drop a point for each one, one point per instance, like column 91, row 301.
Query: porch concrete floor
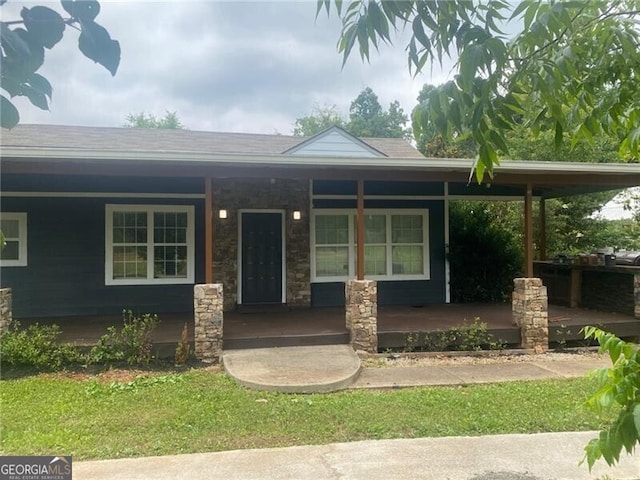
column 296, row 324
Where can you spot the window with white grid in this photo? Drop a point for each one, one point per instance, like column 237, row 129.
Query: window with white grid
column 148, row 244
column 14, row 230
column 396, row 244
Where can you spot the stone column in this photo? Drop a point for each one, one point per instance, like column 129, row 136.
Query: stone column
column 208, row 317
column 361, row 314
column 636, row 293
column 530, row 313
column 5, row 309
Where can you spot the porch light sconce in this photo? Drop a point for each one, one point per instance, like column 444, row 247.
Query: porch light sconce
column 222, row 213
column 297, row 214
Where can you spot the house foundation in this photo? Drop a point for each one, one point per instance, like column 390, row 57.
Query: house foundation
column 530, row 308
column 208, row 304
column 361, row 311
column 5, row 309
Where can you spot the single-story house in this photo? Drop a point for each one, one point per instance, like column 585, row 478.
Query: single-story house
column 97, row 219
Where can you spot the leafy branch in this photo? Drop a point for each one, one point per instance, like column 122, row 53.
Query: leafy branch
column 23, row 43
column 576, row 64
column 619, row 386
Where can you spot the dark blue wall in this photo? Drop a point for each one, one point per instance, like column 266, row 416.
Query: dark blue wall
column 65, row 272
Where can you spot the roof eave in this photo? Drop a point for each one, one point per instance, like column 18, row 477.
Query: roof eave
column 457, row 165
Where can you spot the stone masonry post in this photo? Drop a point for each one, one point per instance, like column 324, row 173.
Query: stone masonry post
column 636, row 294
column 530, row 312
column 5, row 309
column 361, row 314
column 208, row 307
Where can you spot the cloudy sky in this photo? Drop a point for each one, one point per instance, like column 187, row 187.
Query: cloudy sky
column 223, row 66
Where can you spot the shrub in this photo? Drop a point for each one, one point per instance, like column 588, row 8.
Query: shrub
column 466, row 337
column 131, row 344
column 36, row 346
column 183, row 350
column 485, row 252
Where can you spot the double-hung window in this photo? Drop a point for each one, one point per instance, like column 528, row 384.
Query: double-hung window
column 14, row 229
column 395, row 244
column 149, row 244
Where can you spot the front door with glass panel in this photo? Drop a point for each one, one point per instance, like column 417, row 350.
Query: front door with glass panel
column 262, row 254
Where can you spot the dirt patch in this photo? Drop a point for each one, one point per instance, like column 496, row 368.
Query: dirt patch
column 490, row 358
column 122, row 375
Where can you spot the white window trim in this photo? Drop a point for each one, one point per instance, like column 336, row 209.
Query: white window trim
column 149, row 209
column 22, row 239
column 352, row 213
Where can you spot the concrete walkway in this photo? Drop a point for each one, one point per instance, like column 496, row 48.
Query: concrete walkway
column 327, row 368
column 497, row 457
column 321, row 368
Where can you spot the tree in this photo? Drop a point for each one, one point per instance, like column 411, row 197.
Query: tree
column 320, row 119
column 143, row 120
column 23, row 43
column 367, row 118
column 577, row 63
column 571, row 227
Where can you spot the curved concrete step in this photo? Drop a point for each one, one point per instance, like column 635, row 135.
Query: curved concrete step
column 312, row 369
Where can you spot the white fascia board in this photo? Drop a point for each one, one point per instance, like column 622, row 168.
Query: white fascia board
column 458, row 165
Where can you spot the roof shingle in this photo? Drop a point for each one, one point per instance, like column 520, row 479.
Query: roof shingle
column 165, row 140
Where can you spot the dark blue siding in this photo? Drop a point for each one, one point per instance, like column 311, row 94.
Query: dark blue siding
column 350, row 187
column 401, row 292
column 82, row 183
column 65, row 272
column 473, row 189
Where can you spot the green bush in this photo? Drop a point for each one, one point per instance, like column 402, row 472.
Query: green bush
column 465, row 337
column 131, row 343
column 36, row 346
column 485, row 255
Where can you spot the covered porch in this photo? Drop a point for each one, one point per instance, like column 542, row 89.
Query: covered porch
column 322, row 326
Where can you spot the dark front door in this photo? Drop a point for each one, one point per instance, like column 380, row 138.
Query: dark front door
column 261, row 258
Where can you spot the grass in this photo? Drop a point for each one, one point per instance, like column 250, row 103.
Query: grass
column 201, row 411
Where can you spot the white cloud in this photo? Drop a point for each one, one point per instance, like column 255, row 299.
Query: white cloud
column 229, row 66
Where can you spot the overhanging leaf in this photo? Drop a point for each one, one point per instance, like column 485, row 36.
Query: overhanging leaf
column 24, row 63
column 82, row 10
column 40, row 84
column 96, row 43
column 44, row 24
column 636, row 420
column 558, row 136
column 36, row 97
column 12, row 43
column 9, row 116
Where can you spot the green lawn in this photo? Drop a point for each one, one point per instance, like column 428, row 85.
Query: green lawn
column 202, row 411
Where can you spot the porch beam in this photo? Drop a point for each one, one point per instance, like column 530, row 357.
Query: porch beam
column 543, row 229
column 360, row 231
column 208, row 230
column 528, row 232
column 192, row 169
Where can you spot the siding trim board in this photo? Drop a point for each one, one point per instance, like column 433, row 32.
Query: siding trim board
column 100, row 195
